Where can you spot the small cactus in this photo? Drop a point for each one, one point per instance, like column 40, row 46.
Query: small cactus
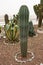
column 11, row 31
column 31, row 29
column 6, row 19
column 23, row 18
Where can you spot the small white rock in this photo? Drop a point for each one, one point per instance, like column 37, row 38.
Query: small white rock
column 41, row 63
column 11, row 64
column 40, row 31
column 4, row 36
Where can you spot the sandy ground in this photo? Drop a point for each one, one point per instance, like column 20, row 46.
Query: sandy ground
column 8, row 51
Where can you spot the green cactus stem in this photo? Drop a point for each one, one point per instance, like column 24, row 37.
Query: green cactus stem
column 40, row 21
column 23, row 18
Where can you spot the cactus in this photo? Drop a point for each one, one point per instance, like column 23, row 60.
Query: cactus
column 39, row 12
column 23, row 18
column 41, row 1
column 31, row 29
column 6, row 19
column 11, row 31
column 40, row 21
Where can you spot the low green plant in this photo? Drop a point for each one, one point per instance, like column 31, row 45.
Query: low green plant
column 11, row 31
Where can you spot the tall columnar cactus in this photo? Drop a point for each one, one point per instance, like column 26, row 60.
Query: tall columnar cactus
column 6, row 19
column 23, row 18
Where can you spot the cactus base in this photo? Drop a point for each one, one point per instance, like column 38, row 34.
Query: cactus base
column 29, row 58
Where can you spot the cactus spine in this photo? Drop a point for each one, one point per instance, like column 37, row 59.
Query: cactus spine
column 23, row 18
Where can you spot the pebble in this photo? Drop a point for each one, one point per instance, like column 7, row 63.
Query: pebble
column 41, row 63
column 11, row 64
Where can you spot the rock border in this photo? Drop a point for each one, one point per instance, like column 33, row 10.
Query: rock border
column 36, row 35
column 40, row 31
column 8, row 43
column 23, row 61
